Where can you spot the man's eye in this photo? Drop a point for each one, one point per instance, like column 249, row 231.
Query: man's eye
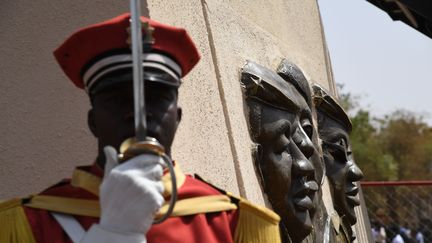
column 166, row 96
column 160, row 96
column 307, row 127
column 337, row 150
column 342, row 142
column 115, row 99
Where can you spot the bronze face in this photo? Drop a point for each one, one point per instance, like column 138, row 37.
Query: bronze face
column 281, row 126
column 341, row 169
column 334, row 127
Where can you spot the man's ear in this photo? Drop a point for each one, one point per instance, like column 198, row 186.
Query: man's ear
column 91, row 122
column 179, row 115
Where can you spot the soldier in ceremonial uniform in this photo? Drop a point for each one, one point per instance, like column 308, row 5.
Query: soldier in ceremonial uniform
column 112, row 201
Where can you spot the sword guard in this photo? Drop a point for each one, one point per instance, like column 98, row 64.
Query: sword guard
column 131, row 148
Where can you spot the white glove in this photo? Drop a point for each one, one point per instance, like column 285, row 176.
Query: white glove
column 130, row 196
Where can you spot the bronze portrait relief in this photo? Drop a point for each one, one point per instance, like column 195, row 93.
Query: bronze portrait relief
column 334, row 127
column 281, row 126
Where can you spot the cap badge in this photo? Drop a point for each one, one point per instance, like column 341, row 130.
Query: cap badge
column 148, row 38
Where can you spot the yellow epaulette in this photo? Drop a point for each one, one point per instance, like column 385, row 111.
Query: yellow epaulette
column 14, row 226
column 256, row 224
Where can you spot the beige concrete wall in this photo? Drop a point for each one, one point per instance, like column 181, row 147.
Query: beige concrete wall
column 43, row 117
column 202, row 144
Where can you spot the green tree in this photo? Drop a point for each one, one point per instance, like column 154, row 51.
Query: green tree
column 366, row 142
column 408, row 139
column 397, row 146
column 394, row 147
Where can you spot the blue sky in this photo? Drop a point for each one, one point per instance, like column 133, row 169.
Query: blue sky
column 387, row 63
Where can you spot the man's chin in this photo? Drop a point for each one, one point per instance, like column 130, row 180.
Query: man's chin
column 305, row 222
column 351, row 216
column 150, row 134
column 349, row 213
column 299, row 226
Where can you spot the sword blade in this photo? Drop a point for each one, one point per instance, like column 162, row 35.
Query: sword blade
column 138, row 79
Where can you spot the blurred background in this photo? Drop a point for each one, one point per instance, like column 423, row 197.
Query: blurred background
column 381, row 56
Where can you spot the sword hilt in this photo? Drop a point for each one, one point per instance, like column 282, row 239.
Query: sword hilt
column 131, row 147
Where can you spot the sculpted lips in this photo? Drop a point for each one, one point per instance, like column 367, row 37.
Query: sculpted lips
column 303, row 204
column 303, row 198
column 351, row 195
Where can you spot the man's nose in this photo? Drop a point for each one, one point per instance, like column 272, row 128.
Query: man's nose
column 355, row 173
column 303, row 166
column 130, row 114
column 303, row 142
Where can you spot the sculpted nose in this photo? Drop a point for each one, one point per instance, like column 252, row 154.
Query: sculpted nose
column 303, row 167
column 303, row 142
column 355, row 173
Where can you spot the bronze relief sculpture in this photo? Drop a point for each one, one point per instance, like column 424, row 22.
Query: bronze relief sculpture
column 293, row 74
column 334, row 127
column 281, row 126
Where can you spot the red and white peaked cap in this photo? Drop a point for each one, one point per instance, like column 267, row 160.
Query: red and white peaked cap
column 94, row 52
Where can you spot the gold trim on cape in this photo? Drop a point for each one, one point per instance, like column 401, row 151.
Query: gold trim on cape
column 91, row 208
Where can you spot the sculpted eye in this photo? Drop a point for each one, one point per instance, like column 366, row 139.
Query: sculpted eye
column 342, row 142
column 307, row 127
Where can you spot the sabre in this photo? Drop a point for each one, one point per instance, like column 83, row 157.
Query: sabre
column 141, row 143
column 138, row 73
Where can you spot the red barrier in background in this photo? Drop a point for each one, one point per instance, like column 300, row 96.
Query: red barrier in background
column 395, row 183
column 400, row 207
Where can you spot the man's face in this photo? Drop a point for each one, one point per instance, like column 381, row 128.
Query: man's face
column 112, row 116
column 341, row 168
column 288, row 175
